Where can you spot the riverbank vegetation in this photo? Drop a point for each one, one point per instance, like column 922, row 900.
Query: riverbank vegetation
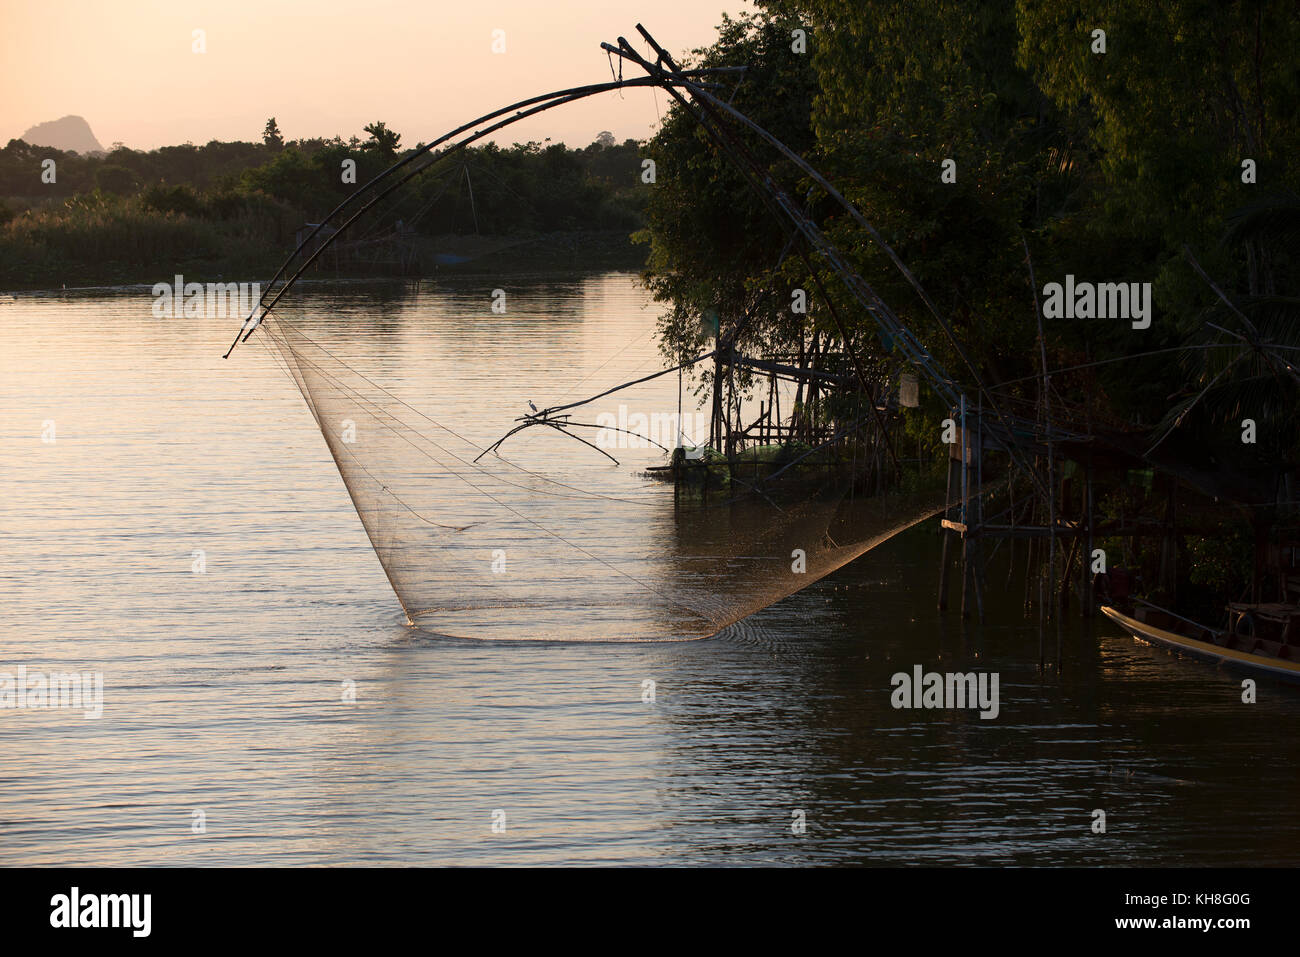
column 235, row 208
column 998, row 148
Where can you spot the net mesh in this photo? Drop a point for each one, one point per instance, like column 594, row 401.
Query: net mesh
column 573, row 548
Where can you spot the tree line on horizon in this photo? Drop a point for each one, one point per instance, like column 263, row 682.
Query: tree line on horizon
column 238, row 204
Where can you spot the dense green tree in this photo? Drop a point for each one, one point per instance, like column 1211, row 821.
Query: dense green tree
column 970, row 134
column 1184, row 94
column 382, row 140
column 929, row 126
column 115, row 179
column 714, row 242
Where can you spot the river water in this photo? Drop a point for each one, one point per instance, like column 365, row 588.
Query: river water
column 225, row 738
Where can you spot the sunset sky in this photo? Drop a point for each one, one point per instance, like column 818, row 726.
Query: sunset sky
column 326, row 66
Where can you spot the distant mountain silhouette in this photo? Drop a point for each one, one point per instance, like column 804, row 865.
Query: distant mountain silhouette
column 69, row 133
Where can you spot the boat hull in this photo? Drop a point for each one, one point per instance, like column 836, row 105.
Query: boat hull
column 1229, row 657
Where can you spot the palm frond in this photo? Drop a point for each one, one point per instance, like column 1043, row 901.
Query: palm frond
column 1275, row 217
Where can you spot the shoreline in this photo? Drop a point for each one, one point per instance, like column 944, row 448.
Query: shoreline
column 596, row 250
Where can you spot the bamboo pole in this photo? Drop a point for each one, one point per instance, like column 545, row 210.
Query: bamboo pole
column 944, row 559
column 1085, row 583
column 978, row 544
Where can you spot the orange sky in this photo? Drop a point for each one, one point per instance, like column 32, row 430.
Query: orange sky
column 326, row 66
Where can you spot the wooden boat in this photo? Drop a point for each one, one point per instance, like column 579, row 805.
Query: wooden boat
column 1158, row 626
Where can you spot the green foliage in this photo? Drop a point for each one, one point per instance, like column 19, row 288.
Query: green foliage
column 382, row 140
column 905, row 86
column 713, row 242
column 255, row 197
column 115, row 179
column 104, row 228
column 1101, row 165
column 528, row 188
column 180, row 199
column 1221, row 561
column 291, row 177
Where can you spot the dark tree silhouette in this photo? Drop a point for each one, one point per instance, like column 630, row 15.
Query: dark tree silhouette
column 382, row 140
column 271, row 135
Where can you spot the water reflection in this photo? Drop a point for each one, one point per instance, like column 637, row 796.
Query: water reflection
column 224, row 690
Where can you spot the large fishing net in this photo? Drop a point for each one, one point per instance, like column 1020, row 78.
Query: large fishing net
column 545, row 537
column 550, row 540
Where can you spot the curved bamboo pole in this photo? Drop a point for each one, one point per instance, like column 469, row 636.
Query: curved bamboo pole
column 537, row 104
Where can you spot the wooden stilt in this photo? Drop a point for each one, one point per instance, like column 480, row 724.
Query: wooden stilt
column 945, row 561
column 1085, row 567
column 965, row 576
